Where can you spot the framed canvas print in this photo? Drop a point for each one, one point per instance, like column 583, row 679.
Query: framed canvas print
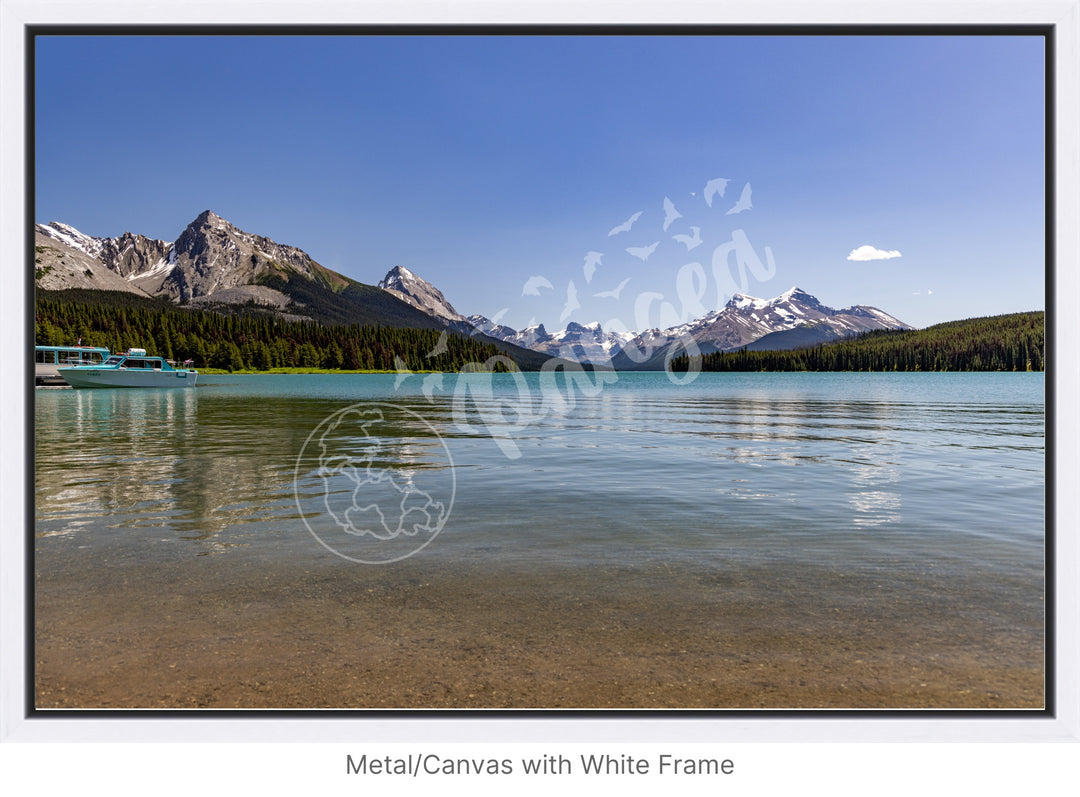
column 461, row 373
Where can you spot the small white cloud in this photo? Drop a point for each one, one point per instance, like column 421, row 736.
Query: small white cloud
column 929, row 292
column 867, row 252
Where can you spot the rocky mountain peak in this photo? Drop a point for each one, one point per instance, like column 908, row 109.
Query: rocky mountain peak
column 131, row 255
column 796, row 294
column 401, row 274
column 209, row 218
column 207, row 225
column 420, row 293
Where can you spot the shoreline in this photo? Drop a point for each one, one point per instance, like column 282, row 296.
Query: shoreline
column 297, row 371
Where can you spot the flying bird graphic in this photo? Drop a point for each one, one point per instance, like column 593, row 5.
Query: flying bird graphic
column 592, row 260
column 642, row 252
column 691, row 241
column 715, row 187
column 495, row 319
column 440, row 347
column 626, row 225
column 534, row 284
column 572, row 303
column 402, row 370
column 743, row 203
column 612, row 294
column 670, row 214
column 432, row 382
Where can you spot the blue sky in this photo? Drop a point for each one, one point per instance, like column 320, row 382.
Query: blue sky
column 479, row 162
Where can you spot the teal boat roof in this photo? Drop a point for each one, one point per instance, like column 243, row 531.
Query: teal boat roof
column 71, row 348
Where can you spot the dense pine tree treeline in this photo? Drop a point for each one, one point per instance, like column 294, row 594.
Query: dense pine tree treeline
column 247, row 341
column 252, row 339
column 999, row 343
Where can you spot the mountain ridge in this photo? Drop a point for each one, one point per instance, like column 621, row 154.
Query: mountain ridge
column 745, row 320
column 215, row 265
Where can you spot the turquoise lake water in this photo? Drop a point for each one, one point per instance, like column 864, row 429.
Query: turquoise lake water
column 869, row 467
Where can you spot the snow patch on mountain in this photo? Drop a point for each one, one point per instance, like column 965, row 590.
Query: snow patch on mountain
column 587, row 343
column 66, row 234
column 741, row 321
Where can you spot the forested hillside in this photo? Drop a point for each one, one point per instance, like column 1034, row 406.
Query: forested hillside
column 244, row 341
column 999, row 343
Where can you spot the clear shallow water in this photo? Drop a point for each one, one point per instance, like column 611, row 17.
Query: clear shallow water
column 866, row 467
column 897, row 500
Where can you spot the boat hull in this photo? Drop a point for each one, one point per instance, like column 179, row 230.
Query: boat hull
column 112, row 377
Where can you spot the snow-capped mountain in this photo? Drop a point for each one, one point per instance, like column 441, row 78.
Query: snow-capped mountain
column 66, row 258
column 579, row 342
column 211, row 258
column 214, row 262
column 217, row 265
column 68, row 235
column 743, row 320
column 489, row 327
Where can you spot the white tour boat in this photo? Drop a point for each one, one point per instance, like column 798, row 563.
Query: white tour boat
column 133, row 368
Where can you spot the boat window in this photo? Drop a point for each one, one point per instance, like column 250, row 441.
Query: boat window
column 114, row 360
column 45, row 356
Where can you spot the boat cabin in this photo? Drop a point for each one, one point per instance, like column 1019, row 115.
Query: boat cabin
column 47, row 359
column 137, row 358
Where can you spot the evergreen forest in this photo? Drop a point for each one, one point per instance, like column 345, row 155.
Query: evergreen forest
column 244, row 341
column 1011, row 342
column 251, row 339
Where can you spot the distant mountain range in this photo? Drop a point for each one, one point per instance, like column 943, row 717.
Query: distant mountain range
column 792, row 319
column 581, row 342
column 215, row 265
